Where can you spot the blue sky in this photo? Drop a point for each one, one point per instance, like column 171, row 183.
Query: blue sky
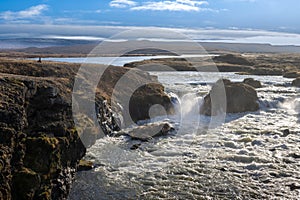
column 274, row 15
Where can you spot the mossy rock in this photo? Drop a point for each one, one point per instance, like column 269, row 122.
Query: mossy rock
column 85, row 165
column 42, row 154
column 7, row 135
column 44, row 193
column 25, row 184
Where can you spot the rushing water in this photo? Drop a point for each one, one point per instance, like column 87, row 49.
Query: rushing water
column 247, row 157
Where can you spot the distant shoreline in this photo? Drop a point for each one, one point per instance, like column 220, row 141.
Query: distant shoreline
column 84, row 50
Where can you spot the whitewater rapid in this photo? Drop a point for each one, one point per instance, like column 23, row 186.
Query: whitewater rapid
column 248, row 156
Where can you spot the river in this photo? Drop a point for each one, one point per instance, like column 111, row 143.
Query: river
column 118, row 61
column 245, row 157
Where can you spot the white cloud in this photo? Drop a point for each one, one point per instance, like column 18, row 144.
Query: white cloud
column 192, row 2
column 122, row 3
column 31, row 12
column 168, row 5
column 178, row 5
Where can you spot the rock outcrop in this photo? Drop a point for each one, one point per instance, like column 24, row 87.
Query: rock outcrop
column 291, row 74
column 39, row 141
column 232, row 59
column 239, row 98
column 178, row 64
column 296, row 82
column 40, row 145
column 252, row 82
column 223, row 63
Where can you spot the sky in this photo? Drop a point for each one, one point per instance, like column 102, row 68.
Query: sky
column 255, row 16
column 274, row 15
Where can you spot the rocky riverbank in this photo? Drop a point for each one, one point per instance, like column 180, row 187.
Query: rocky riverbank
column 255, row 64
column 40, row 145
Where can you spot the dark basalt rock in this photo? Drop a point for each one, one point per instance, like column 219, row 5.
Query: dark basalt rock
column 148, row 131
column 252, row 82
column 296, row 82
column 34, row 151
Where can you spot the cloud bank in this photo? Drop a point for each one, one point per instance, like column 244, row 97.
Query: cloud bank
column 106, row 32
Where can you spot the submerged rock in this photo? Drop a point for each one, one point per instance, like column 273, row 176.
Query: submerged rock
column 239, row 98
column 296, row 82
column 148, row 131
column 252, row 82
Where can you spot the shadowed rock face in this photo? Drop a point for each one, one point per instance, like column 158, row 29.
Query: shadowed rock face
column 39, row 144
column 40, row 147
column 239, row 98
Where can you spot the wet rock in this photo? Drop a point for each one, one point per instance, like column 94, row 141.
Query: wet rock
column 135, row 146
column 149, row 131
column 85, row 165
column 252, row 82
column 296, row 82
column 294, row 155
column 239, row 98
column 144, row 98
column 256, row 143
column 286, row 132
column 294, row 186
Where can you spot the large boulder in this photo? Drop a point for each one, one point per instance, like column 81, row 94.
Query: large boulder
column 252, row 82
column 135, row 91
column 296, row 82
column 240, row 97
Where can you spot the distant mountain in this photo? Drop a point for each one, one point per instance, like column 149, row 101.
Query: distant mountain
column 21, row 43
column 83, row 47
